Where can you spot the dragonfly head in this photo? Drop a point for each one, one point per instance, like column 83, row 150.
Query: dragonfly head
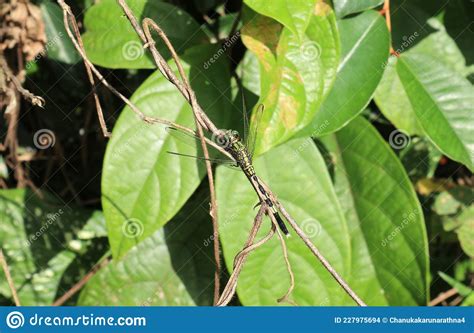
column 227, row 138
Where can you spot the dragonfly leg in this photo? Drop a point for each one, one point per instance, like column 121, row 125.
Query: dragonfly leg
column 257, row 204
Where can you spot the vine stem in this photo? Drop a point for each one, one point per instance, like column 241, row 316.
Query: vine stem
column 147, row 24
column 386, row 12
column 443, row 297
column 321, row 258
column 6, row 271
column 240, row 258
column 78, row 286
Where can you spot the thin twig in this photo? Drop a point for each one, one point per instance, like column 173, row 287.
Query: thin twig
column 98, row 107
column 81, row 283
column 6, row 270
column 240, row 258
column 70, row 19
column 29, row 96
column 320, row 257
column 164, row 68
column 285, row 298
column 443, row 297
column 386, row 12
column 147, row 23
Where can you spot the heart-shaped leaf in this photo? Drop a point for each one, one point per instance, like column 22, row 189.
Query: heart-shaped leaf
column 172, row 267
column 153, row 184
column 110, row 40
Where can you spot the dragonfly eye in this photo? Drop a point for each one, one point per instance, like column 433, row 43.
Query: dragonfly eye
column 236, row 135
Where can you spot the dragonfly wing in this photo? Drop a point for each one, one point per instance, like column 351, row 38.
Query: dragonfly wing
column 193, row 141
column 185, row 137
column 244, row 105
column 252, row 138
column 214, row 160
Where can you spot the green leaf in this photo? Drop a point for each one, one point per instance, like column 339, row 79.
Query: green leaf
column 462, row 289
column 441, row 44
column 365, row 44
column 346, row 7
column 143, row 186
column 264, row 277
column 40, row 239
column 419, row 158
column 226, row 24
column 3, row 168
column 390, row 95
column 469, row 300
column 446, row 204
column 411, row 23
column 386, row 221
column 172, row 267
column 295, row 73
column 393, row 101
column 293, row 14
column 94, row 228
column 250, row 73
column 443, row 103
column 348, row 231
column 110, row 40
column 59, row 47
column 466, row 230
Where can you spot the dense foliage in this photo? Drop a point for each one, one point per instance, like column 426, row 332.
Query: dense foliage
column 366, row 139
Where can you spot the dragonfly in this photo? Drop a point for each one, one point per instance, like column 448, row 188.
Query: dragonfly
column 242, row 153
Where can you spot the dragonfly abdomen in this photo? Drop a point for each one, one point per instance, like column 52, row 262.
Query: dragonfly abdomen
column 270, row 204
